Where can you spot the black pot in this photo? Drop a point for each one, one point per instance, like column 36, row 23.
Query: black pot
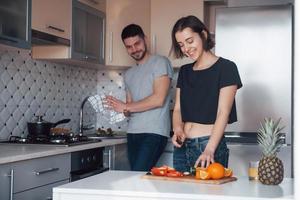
column 41, row 128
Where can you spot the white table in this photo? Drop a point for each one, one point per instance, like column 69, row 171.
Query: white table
column 127, row 185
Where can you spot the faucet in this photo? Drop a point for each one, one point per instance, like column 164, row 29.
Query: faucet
column 81, row 128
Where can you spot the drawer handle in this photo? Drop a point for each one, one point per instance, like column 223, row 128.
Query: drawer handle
column 46, row 171
column 55, row 28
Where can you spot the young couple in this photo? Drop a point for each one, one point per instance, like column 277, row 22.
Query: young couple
column 204, row 102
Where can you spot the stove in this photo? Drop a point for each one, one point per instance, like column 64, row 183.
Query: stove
column 55, row 140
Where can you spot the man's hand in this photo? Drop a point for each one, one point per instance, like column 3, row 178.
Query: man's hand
column 116, row 104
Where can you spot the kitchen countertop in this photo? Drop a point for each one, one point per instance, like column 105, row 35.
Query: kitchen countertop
column 113, row 185
column 18, row 152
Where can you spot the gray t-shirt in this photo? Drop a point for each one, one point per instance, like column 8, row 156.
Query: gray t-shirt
column 139, row 82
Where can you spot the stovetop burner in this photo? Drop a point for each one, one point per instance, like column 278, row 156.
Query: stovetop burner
column 60, row 140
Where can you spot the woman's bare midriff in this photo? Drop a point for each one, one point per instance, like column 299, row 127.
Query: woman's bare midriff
column 193, row 130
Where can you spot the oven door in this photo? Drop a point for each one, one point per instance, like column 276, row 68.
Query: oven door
column 86, row 163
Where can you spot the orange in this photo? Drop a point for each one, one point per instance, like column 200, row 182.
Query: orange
column 202, row 174
column 216, row 170
column 228, row 172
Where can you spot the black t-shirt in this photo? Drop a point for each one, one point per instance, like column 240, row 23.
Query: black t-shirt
column 200, row 89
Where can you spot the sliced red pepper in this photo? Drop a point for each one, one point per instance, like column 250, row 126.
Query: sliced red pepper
column 159, row 171
column 174, row 174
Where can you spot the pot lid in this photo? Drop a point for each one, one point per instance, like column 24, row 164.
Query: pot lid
column 39, row 120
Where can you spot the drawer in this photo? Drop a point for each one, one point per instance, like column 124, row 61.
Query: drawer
column 38, row 172
column 40, row 193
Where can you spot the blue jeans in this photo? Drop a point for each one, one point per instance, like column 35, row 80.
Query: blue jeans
column 186, row 156
column 144, row 150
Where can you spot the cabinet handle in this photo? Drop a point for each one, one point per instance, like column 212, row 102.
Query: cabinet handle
column 27, row 22
column 46, row 171
column 109, row 159
column 154, row 44
column 48, row 198
column 103, row 38
column 11, row 192
column 110, row 46
column 56, row 29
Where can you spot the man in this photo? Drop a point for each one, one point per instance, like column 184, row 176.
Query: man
column 147, row 101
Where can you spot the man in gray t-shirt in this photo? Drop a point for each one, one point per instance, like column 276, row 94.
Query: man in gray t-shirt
column 147, row 101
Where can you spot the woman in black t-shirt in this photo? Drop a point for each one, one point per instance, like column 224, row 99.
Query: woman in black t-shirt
column 205, row 98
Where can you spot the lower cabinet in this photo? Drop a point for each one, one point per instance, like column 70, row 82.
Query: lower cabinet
column 166, row 157
column 116, row 158
column 35, row 178
column 39, row 193
column 5, row 182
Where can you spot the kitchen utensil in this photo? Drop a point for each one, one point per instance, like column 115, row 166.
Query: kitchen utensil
column 41, row 128
column 190, row 179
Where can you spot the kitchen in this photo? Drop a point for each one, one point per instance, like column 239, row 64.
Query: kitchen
column 48, row 84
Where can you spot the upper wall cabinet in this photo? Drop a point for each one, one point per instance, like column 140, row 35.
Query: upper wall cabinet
column 52, row 17
column 97, row 4
column 86, row 27
column 164, row 14
column 15, row 23
column 87, row 33
column 120, row 13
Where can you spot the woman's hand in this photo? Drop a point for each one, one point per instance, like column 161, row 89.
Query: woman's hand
column 116, row 104
column 178, row 137
column 205, row 158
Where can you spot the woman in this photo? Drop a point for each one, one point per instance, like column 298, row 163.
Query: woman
column 205, row 98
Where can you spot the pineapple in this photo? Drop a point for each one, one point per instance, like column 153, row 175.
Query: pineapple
column 270, row 167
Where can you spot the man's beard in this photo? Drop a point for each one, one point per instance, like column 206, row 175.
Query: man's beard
column 139, row 57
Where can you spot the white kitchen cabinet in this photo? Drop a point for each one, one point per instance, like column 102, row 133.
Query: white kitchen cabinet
column 44, row 19
column 120, row 13
column 164, row 14
column 87, row 34
column 116, row 158
column 5, row 180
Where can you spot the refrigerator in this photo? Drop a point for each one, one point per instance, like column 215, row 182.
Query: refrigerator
column 259, row 40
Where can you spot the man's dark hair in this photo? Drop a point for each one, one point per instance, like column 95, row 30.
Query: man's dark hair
column 132, row 30
column 197, row 26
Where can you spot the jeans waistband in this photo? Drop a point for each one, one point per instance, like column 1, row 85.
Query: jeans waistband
column 198, row 139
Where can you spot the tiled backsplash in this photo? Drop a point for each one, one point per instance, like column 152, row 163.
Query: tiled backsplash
column 32, row 87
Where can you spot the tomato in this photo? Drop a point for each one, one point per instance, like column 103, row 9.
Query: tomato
column 174, row 174
column 159, row 171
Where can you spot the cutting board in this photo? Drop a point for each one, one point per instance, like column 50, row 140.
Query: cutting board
column 190, row 179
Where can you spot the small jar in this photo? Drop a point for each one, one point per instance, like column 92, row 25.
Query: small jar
column 253, row 170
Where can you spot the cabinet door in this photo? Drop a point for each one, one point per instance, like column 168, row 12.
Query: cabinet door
column 40, row 193
column 161, row 27
column 5, row 182
column 38, row 172
column 98, row 4
column 121, row 157
column 15, row 23
column 120, row 13
column 44, row 19
column 88, row 30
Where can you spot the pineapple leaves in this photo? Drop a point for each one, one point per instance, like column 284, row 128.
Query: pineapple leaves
column 268, row 136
